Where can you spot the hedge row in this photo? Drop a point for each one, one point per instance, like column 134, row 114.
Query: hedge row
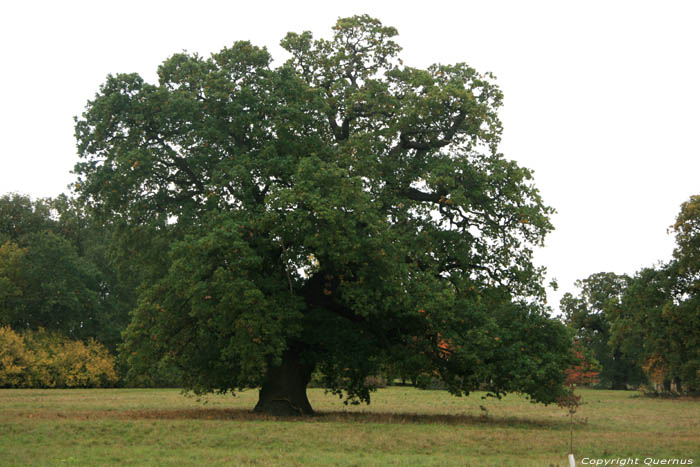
column 42, row 359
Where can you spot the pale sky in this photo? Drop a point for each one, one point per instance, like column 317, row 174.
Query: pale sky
column 602, row 99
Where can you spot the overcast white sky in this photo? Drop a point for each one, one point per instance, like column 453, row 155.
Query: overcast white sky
column 601, row 98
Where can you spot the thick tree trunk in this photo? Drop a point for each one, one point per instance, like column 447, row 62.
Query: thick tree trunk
column 284, row 391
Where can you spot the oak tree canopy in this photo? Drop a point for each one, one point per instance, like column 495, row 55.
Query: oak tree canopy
column 338, row 213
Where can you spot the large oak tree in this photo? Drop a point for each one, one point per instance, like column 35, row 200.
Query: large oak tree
column 334, row 213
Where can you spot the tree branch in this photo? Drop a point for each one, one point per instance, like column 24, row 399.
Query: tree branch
column 417, row 195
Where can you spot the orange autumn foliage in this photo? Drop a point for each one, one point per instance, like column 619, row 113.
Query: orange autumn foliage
column 656, row 369
column 583, row 372
column 444, row 347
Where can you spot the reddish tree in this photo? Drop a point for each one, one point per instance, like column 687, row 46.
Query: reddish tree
column 582, row 372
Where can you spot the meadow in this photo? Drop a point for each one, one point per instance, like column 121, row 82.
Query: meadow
column 402, row 426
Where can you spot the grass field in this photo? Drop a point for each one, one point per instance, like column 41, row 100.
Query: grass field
column 403, row 426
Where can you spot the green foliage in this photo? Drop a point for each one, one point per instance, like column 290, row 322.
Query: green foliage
column 342, row 209
column 660, row 320
column 55, row 271
column 590, row 315
column 42, row 359
column 687, row 252
column 117, row 272
column 20, row 216
column 664, row 305
column 233, row 310
column 11, row 259
column 650, row 321
column 684, row 315
column 56, row 288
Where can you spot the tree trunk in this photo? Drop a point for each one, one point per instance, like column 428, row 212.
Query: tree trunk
column 667, row 385
column 677, row 386
column 284, row 391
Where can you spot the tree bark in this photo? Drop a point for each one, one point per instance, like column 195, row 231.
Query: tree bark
column 677, row 385
column 284, row 391
column 667, row 385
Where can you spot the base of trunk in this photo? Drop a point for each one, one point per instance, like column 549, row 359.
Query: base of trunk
column 283, row 393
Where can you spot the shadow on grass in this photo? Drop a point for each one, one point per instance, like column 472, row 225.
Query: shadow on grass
column 245, row 415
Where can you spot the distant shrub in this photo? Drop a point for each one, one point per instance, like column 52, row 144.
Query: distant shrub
column 375, row 382
column 41, row 359
column 428, row 381
column 316, row 380
column 372, row 382
column 15, row 359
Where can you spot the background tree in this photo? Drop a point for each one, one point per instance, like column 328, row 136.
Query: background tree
column 591, row 314
column 97, row 243
column 53, row 271
column 638, row 327
column 56, row 289
column 20, row 216
column 660, row 311
column 685, row 315
column 333, row 213
column 687, row 251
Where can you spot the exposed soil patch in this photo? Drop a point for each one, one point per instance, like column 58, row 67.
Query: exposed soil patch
column 318, row 417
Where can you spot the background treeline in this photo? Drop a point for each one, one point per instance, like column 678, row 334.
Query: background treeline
column 644, row 329
column 64, row 284
column 68, row 283
column 55, row 271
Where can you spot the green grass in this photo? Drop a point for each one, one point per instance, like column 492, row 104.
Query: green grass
column 403, row 426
